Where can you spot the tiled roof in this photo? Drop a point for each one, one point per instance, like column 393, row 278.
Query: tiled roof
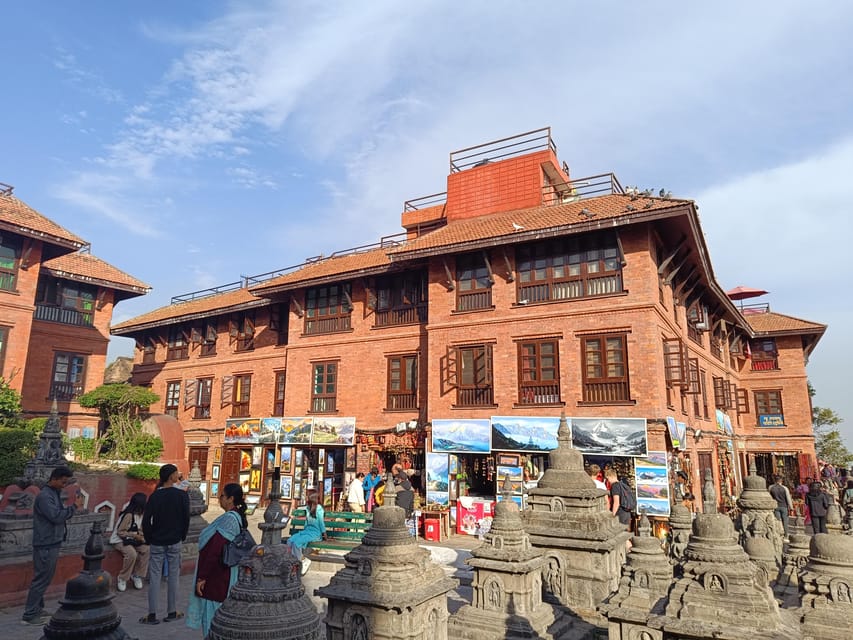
column 771, row 322
column 86, row 267
column 18, row 216
column 199, row 308
column 505, row 225
column 348, row 265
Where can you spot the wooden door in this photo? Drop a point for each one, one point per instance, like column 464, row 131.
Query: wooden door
column 199, row 454
column 230, row 471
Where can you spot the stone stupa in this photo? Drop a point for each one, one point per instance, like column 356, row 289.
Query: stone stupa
column 508, row 572
column 584, row 543
column 198, row 506
column 680, row 526
column 761, row 533
column 826, row 587
column 389, row 588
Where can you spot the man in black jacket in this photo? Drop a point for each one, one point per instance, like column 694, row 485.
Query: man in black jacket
column 49, row 532
column 165, row 524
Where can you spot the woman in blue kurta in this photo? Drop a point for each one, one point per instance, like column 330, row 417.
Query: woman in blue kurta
column 213, row 579
column 315, row 529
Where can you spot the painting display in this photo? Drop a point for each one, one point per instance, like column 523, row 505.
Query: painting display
column 327, row 492
column 652, row 480
column 244, row 481
column 295, row 431
column 255, row 480
column 330, row 463
column 214, row 472
column 351, row 459
column 461, row 436
column 672, row 427
column 270, row 428
column 242, row 430
column 438, row 478
column 610, row 436
column 515, row 478
column 245, row 460
column 257, row 454
column 286, row 487
column 270, row 459
column 520, row 433
column 285, row 460
column 214, row 489
column 333, row 432
column 298, row 462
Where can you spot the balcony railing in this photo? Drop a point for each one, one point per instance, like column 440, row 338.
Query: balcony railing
column 63, row 316
column 240, row 410
column 406, row 400
column 202, row 411
column 570, row 289
column 717, row 349
column 7, row 281
column 766, row 364
column 65, row 391
column 580, row 188
column 474, row 300
column 314, row 326
column 324, row 405
column 539, row 394
column 604, row 392
column 479, row 397
column 410, row 314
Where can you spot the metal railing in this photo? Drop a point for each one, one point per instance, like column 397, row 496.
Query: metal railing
column 411, row 314
column 63, row 316
column 425, row 202
column 517, row 145
column 580, row 188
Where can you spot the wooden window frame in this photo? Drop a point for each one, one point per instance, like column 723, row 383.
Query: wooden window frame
column 569, row 268
column 241, row 396
column 764, row 401
column 204, row 398
column 703, row 379
column 606, row 387
column 279, row 393
column 209, row 336
column 723, row 391
column 178, row 344
column 533, row 387
column 279, row 322
column 402, row 393
column 172, row 403
column 241, row 331
column 401, row 299
column 473, row 282
column 324, row 386
column 9, row 275
column 149, row 350
column 74, row 376
column 471, row 391
column 328, row 309
column 4, row 339
column 764, row 354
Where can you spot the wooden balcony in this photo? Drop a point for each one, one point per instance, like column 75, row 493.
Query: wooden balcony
column 64, row 392
column 410, row 314
column 61, row 315
column 473, row 300
column 570, row 289
column 764, row 364
column 402, row 401
column 316, row 326
column 539, row 394
column 324, row 405
column 477, row 397
column 605, row 392
column 240, row 410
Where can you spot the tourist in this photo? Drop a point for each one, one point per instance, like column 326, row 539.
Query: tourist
column 165, row 524
column 371, row 483
column 315, row 529
column 49, row 532
column 784, row 503
column 213, row 579
column 847, row 497
column 621, row 496
column 405, row 493
column 355, row 493
column 818, row 502
column 127, row 538
column 594, row 470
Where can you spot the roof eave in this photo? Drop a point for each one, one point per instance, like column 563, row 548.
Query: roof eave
column 266, row 291
column 124, row 329
column 135, row 290
column 66, row 243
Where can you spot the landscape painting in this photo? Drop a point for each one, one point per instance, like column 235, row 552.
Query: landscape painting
column 437, row 478
column 270, row 428
column 334, row 431
column 286, row 487
column 295, row 431
column 653, row 507
column 461, row 436
column 610, row 436
column 242, row 430
column 652, row 481
column 520, row 433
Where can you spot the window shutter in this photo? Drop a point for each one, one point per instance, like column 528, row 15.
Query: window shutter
column 742, row 400
column 233, row 328
column 195, row 335
column 210, row 333
column 248, row 326
column 448, row 367
column 719, row 393
column 694, row 386
column 227, row 390
column 489, row 360
column 731, row 396
column 674, row 363
column 190, row 394
column 275, row 317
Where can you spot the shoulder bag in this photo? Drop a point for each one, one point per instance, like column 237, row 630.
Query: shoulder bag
column 239, row 547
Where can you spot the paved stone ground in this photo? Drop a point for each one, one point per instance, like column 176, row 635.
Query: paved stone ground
column 133, row 604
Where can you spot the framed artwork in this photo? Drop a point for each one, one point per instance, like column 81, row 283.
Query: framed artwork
column 202, row 486
column 244, row 481
column 454, row 465
column 524, row 433
column 351, row 459
column 438, row 472
column 242, row 430
column 217, row 454
column 286, row 488
column 333, row 431
column 298, row 458
column 214, row 489
column 214, row 472
column 330, row 463
column 285, row 463
column 508, row 459
column 257, row 454
column 295, row 431
column 321, row 457
column 461, row 436
column 297, row 489
column 245, row 460
column 327, row 492
column 255, row 480
column 610, row 436
column 270, row 459
column 285, row 507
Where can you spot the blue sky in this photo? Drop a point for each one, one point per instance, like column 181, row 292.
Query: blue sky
column 192, row 143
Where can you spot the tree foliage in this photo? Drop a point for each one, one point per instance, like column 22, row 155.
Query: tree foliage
column 829, row 444
column 10, row 405
column 120, row 406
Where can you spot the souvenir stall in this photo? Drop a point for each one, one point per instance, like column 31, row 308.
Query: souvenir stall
column 402, row 444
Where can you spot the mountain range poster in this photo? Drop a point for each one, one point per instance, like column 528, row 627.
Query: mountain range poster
column 438, row 478
column 610, row 436
column 523, row 433
column 333, row 431
column 295, row 431
column 652, row 480
column 461, row 436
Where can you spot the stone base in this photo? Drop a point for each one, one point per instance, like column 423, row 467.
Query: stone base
column 551, row 623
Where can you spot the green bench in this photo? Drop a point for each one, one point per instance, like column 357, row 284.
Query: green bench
column 344, row 529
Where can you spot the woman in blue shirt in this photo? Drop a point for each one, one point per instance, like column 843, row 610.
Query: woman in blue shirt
column 315, row 529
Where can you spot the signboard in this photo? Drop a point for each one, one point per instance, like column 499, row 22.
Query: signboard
column 771, row 420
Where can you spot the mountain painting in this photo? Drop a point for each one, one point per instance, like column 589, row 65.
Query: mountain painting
column 653, row 506
column 461, row 436
column 520, row 433
column 333, row 431
column 438, row 478
column 242, row 430
column 295, row 431
column 270, row 428
column 610, row 436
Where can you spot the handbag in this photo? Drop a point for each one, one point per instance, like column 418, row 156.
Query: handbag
column 131, row 542
column 238, row 548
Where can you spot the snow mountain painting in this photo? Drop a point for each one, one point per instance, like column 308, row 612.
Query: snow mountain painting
column 610, row 436
column 461, row 436
column 520, row 433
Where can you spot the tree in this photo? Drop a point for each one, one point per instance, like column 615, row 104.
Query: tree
column 119, row 406
column 829, row 444
column 10, row 405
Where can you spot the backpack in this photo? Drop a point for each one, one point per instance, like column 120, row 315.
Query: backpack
column 627, row 500
column 238, row 548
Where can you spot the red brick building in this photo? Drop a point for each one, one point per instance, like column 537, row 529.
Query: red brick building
column 517, row 292
column 56, row 304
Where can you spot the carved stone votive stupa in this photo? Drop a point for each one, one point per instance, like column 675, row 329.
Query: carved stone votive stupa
column 826, row 588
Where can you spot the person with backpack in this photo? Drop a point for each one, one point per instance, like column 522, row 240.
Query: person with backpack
column 622, row 498
column 819, row 504
column 784, row 504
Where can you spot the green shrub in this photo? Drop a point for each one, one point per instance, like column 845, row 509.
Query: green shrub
column 144, row 471
column 18, row 447
column 83, row 448
column 143, row 447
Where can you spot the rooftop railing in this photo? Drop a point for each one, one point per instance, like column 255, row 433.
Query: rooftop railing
column 517, row 145
column 580, row 188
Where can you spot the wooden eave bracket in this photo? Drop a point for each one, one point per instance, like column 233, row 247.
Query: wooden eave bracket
column 665, row 263
column 489, row 267
column 448, row 284
column 25, row 254
column 297, row 308
column 510, row 276
column 101, row 300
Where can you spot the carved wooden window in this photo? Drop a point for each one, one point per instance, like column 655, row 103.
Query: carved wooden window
column 402, row 382
column 324, row 387
column 280, row 322
column 723, row 394
column 178, row 346
column 468, row 369
column 240, row 395
column 241, row 330
column 328, row 309
column 675, row 366
column 69, row 375
column 768, row 402
column 473, row 282
column 538, row 372
column 278, row 402
column 605, row 369
column 173, row 398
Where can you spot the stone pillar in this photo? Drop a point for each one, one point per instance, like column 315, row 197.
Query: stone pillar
column 826, row 588
column 389, row 589
column 761, row 532
column 87, row 610
column 583, row 542
column 680, row 526
column 269, row 600
column 50, row 454
column 721, row 594
column 507, row 585
column 642, row 590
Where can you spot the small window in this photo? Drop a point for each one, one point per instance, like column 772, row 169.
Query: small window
column 475, row 381
column 400, row 299
column 328, row 309
column 473, row 283
column 768, row 408
column 10, row 253
column 208, row 339
column 69, row 371
column 538, row 372
column 173, row 398
column 278, row 404
column 178, row 346
column 763, row 355
column 242, row 394
column 605, row 369
column 241, row 331
column 149, row 350
column 204, row 393
column 324, row 387
column 402, row 382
